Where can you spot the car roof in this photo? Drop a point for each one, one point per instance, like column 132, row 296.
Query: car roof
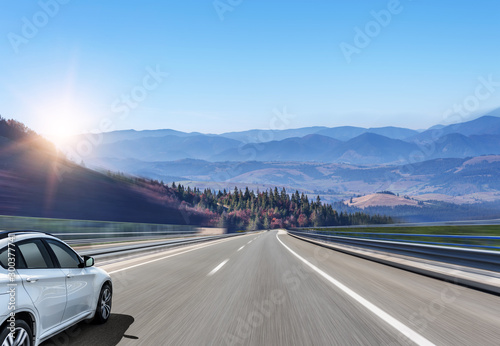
column 23, row 234
column 5, row 234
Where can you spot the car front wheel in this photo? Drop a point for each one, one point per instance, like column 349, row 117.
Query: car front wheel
column 103, row 310
column 22, row 335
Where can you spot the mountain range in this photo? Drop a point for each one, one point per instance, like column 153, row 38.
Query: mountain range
column 351, row 145
column 433, row 169
column 458, row 163
column 451, row 180
column 36, row 181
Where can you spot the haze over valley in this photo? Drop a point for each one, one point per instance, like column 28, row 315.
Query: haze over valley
column 458, row 163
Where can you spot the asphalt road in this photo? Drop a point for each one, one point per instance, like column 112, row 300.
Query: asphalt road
column 259, row 290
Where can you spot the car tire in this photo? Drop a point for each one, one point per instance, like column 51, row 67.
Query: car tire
column 103, row 309
column 23, row 333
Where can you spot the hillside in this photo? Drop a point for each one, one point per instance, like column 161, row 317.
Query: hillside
column 380, row 200
column 308, row 148
column 35, row 181
column 373, row 148
column 485, row 125
column 461, row 180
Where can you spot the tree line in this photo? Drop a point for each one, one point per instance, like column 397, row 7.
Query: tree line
column 18, row 132
column 235, row 210
column 248, row 210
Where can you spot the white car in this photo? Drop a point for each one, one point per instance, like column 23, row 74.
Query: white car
column 46, row 287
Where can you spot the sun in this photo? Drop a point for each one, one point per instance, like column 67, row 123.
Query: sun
column 60, row 127
column 60, row 134
column 60, row 120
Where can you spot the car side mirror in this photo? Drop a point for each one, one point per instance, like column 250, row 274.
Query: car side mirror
column 88, row 261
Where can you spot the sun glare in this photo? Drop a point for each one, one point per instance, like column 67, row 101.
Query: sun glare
column 60, row 124
column 60, row 135
column 61, row 120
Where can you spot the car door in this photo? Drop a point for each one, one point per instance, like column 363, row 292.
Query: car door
column 44, row 283
column 81, row 295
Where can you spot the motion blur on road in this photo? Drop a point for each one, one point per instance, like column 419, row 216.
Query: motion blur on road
column 175, row 141
column 269, row 288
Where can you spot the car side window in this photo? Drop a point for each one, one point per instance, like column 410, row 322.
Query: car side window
column 35, row 255
column 66, row 257
column 4, row 256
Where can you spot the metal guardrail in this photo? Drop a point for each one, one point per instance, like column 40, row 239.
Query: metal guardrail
column 68, row 229
column 481, row 259
column 467, row 241
column 123, row 249
column 490, row 222
column 104, row 237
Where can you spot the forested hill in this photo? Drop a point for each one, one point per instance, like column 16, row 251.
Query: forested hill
column 36, row 181
column 270, row 209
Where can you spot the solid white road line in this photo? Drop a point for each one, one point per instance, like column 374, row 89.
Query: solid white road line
column 217, row 268
column 403, row 329
column 165, row 257
column 241, row 248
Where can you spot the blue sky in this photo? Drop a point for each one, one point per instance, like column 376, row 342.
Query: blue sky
column 86, row 65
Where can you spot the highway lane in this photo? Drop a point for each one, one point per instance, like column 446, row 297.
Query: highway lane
column 254, row 290
column 444, row 313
